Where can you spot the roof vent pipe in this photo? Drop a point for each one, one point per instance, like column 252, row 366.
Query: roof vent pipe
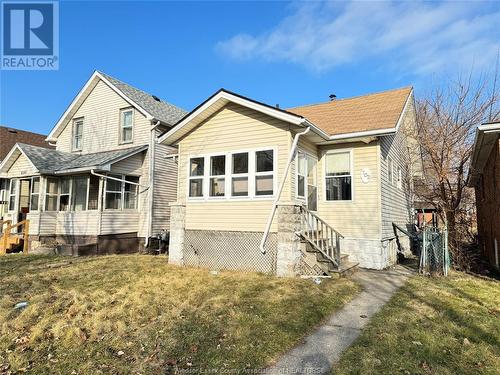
column 332, row 97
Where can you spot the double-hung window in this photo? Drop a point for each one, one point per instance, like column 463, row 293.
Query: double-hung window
column 79, row 196
column 114, row 192
column 301, row 174
column 78, row 134
column 239, row 174
column 64, row 194
column 196, row 173
column 399, row 178
column 217, row 176
column 126, row 125
column 35, row 193
column 338, row 176
column 130, row 192
column 51, row 194
column 13, row 194
column 264, row 173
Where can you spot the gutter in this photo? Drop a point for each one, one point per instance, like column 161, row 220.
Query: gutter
column 280, row 190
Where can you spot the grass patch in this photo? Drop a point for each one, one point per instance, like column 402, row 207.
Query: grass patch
column 432, row 326
column 136, row 314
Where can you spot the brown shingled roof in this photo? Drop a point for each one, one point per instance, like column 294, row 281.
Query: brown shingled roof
column 362, row 113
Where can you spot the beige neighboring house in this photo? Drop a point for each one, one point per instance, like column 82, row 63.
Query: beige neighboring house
column 307, row 190
column 107, row 185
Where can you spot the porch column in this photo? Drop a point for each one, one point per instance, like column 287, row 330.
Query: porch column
column 289, row 254
column 177, row 231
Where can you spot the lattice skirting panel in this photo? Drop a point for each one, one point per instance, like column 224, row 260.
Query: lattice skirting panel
column 230, row 250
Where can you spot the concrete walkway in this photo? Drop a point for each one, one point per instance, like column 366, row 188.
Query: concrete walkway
column 321, row 349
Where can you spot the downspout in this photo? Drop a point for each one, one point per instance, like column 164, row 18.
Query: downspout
column 280, row 189
column 151, row 152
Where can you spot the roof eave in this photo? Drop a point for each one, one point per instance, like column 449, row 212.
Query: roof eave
column 482, row 132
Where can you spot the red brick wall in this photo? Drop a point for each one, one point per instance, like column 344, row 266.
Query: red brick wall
column 9, row 137
column 488, row 205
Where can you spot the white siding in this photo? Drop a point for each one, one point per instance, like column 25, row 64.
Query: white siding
column 133, row 165
column 115, row 221
column 165, row 187
column 101, row 119
column 77, row 223
column 397, row 203
column 21, row 167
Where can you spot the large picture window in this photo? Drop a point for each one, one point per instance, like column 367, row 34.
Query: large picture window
column 232, row 175
column 338, row 176
column 126, row 125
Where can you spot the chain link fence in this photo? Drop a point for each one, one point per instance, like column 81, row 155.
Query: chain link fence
column 434, row 253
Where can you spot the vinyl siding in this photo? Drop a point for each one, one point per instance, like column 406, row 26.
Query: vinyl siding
column 21, row 167
column 133, row 165
column 359, row 218
column 233, row 128
column 77, row 223
column 116, row 221
column 101, row 123
column 397, row 203
column 165, row 187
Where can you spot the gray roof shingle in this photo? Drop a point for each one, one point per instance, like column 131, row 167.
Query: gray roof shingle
column 161, row 110
column 47, row 160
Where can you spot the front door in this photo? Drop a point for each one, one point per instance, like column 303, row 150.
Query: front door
column 307, row 180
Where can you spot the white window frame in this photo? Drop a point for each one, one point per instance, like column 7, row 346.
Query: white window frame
column 232, row 175
column 351, row 162
column 252, row 174
column 56, row 194
column 122, row 127
column 32, row 193
column 76, row 121
column 15, row 194
column 60, row 194
column 399, row 178
column 122, row 192
column 224, row 176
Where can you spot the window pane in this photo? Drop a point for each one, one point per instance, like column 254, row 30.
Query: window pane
column 264, row 185
column 50, row 203
column 93, row 192
column 218, row 165
column 197, row 166
column 127, row 118
column 338, row 164
column 52, row 185
column 301, row 188
column 389, row 170
column 131, row 193
column 35, row 187
column 113, row 185
column 12, row 202
column 196, row 187
column 34, row 202
column 64, row 203
column 302, row 167
column 65, row 185
column 264, row 161
column 79, row 194
column 126, row 134
column 113, row 201
column 13, row 186
column 217, row 187
column 240, row 163
column 240, row 186
column 338, row 188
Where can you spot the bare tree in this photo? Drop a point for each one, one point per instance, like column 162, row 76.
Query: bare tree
column 446, row 122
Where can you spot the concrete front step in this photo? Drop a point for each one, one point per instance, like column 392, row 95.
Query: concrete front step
column 346, row 269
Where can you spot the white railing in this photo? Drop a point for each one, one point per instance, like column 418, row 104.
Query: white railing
column 321, row 236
